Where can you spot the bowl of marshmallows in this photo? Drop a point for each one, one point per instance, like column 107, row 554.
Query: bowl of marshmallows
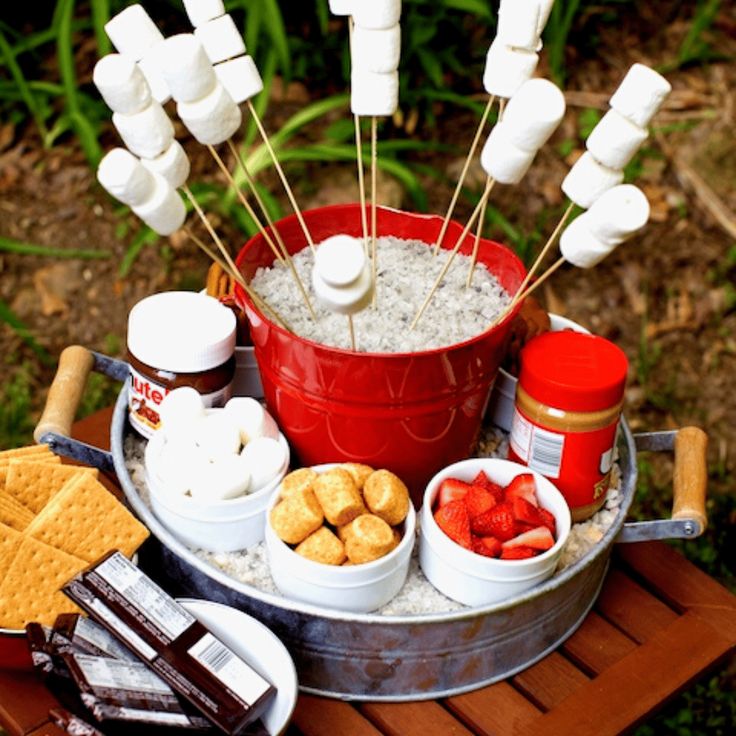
column 211, row 472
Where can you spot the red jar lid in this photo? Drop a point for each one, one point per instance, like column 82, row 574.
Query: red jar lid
column 573, row 371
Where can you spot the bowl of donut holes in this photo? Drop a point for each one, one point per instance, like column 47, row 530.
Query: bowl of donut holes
column 340, row 536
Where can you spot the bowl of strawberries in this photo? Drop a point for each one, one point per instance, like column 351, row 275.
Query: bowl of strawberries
column 490, row 529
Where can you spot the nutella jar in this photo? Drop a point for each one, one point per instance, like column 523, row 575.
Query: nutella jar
column 178, row 338
column 566, row 414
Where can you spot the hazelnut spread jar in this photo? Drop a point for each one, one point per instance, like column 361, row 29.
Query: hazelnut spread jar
column 568, row 405
column 178, row 338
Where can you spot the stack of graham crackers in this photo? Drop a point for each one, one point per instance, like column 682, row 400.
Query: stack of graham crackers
column 54, row 521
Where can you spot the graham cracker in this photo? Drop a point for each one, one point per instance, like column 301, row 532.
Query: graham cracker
column 34, row 483
column 31, row 450
column 41, row 458
column 85, row 520
column 9, row 540
column 13, row 513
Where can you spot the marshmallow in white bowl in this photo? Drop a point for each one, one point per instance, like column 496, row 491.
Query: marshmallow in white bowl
column 374, row 94
column 579, row 246
column 132, row 32
column 147, row 133
column 150, row 66
column 342, row 7
column 376, row 50
column 220, row 39
column 172, row 464
column 187, row 70
column 164, row 212
column 376, row 14
column 252, row 419
column 227, row 478
column 588, row 179
column 502, row 160
column 172, row 164
column 265, row 459
column 121, row 174
column 615, row 140
column 640, row 95
column 240, row 77
column 518, row 23
column 201, row 11
column 619, row 213
column 218, row 435
column 533, row 114
column 180, row 411
column 507, row 69
column 212, row 119
column 121, row 84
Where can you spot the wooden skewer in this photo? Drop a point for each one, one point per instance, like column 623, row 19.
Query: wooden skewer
column 374, row 158
column 463, row 174
column 361, row 182
column 282, row 176
column 476, row 245
column 453, row 253
column 351, row 328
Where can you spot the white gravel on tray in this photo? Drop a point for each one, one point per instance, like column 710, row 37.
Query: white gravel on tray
column 418, row 595
column 406, row 271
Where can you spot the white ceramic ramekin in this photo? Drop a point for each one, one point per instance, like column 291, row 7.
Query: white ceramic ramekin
column 354, row 588
column 472, row 579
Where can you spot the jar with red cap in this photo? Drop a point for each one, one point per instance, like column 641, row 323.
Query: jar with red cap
column 566, row 415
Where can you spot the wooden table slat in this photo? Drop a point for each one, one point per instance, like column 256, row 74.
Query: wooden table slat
column 319, row 717
column 413, row 719
column 48, row 729
column 24, row 701
column 550, row 681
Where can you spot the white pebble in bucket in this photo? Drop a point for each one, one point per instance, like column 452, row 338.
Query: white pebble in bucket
column 220, row 39
column 147, row 133
column 240, row 77
column 121, row 84
column 615, row 140
column 180, row 411
column 376, row 50
column 132, row 32
column 164, row 212
column 150, row 66
column 640, row 95
column 252, row 419
column 588, row 179
column 264, row 457
column 121, row 174
column 342, row 7
column 374, row 94
column 186, row 68
column 619, row 213
column 172, row 164
column 507, row 69
column 533, row 114
column 518, row 23
column 580, row 247
column 376, row 14
column 218, row 435
column 502, row 160
column 213, row 118
column 201, row 11
column 229, row 477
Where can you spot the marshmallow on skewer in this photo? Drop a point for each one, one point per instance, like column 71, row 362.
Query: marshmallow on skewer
column 533, row 114
column 220, row 39
column 252, row 419
column 507, row 69
column 342, row 7
column 146, row 133
column 640, row 95
column 164, row 212
column 588, row 179
column 240, row 77
column 376, row 50
column 618, row 213
column 201, row 11
column 265, row 459
column 150, row 65
column 518, row 23
column 132, row 32
column 121, row 84
column 580, row 247
column 502, row 160
column 374, row 94
column 172, row 164
column 615, row 140
column 341, row 275
column 545, row 9
column 376, row 14
column 186, row 68
column 213, row 118
column 121, row 175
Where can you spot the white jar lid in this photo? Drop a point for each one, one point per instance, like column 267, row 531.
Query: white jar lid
column 181, row 331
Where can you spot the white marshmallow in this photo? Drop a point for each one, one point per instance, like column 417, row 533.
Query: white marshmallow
column 218, row 435
column 580, row 247
column 507, row 69
column 180, row 411
column 164, row 211
column 587, row 180
column 374, row 94
column 615, row 140
column 200, row 11
column 533, row 114
column 265, row 459
column 340, row 260
column 545, row 9
column 240, row 78
column 518, row 23
column 346, row 299
column 150, row 65
column 640, row 95
column 172, row 164
column 502, row 160
column 252, row 419
column 146, row 133
column 177, row 465
column 220, row 39
column 376, row 14
column 120, row 173
column 342, row 7
column 212, row 119
column 132, row 32
column 376, row 51
column 121, row 84
column 186, row 68
column 229, row 477
column 618, row 213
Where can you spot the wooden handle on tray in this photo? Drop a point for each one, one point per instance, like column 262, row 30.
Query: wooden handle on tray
column 75, row 364
column 690, row 477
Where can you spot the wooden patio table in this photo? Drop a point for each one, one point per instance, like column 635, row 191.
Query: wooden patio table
column 658, row 624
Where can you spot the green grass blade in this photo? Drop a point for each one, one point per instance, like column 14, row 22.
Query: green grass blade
column 693, row 47
column 40, row 38
column 455, row 99
column 274, row 23
column 145, row 237
column 100, row 16
column 253, row 23
column 10, row 318
column 475, row 7
column 323, row 15
column 8, row 245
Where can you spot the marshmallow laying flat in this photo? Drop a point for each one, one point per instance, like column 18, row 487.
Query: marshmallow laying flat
column 240, row 77
column 252, row 419
column 376, row 51
column 507, row 69
column 579, row 246
column 200, row 11
column 518, row 23
column 147, row 133
column 181, row 410
column 376, row 14
column 374, row 94
column 265, row 458
column 618, row 213
column 150, row 65
column 502, row 160
column 121, row 84
column 132, row 32
column 342, row 7
column 220, row 39
column 186, row 68
column 640, row 95
column 163, row 212
column 120, row 173
column 212, row 119
column 172, row 164
column 615, row 140
column 533, row 114
column 228, row 478
column 587, row 180
column 218, row 435
column 341, row 275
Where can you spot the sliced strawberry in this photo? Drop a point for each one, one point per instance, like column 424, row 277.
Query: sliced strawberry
column 478, row 500
column 523, row 486
column 526, row 512
column 496, row 522
column 540, row 538
column 548, row 519
column 492, row 545
column 480, row 549
column 522, row 527
column 484, row 481
column 451, row 489
column 518, row 553
column 454, row 521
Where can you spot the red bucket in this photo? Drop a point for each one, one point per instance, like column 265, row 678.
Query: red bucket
column 412, row 413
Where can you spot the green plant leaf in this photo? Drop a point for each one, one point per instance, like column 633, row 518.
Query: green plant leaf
column 10, row 318
column 144, row 237
column 274, row 23
column 475, row 7
column 8, row 245
column 100, row 16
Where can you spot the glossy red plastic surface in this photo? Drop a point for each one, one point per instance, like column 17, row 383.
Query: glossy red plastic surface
column 412, row 413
